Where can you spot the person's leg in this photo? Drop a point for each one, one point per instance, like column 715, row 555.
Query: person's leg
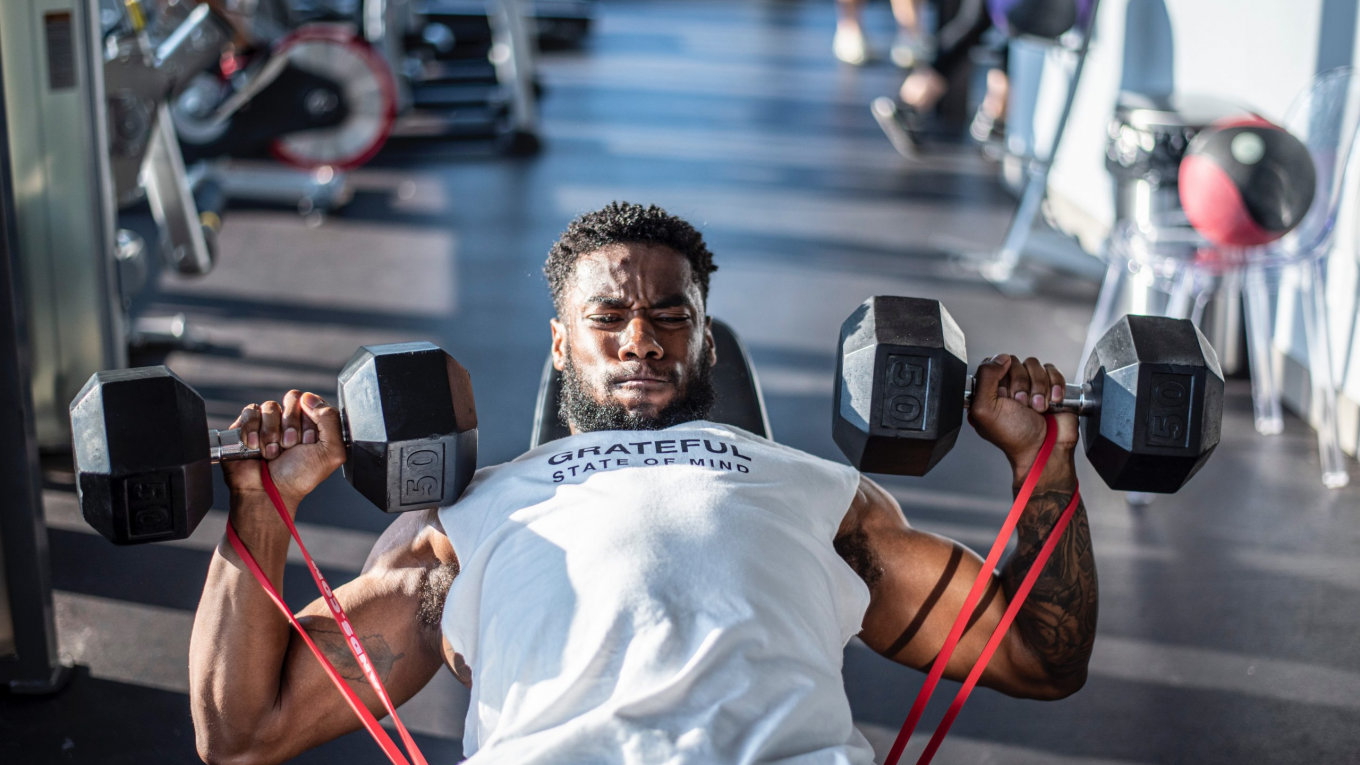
column 908, row 14
column 850, row 44
column 990, row 122
column 913, row 45
column 998, row 91
column 922, row 90
column 925, row 86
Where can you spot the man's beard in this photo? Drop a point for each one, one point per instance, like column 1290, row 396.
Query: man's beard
column 580, row 410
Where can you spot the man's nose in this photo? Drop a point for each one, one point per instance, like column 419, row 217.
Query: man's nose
column 639, row 341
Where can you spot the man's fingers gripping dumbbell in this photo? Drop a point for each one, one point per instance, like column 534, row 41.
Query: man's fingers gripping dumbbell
column 1030, row 382
column 248, row 422
column 271, row 429
column 261, row 427
column 292, row 419
column 1042, row 388
column 299, row 418
column 1058, row 383
column 991, row 378
column 1016, row 381
column 323, row 419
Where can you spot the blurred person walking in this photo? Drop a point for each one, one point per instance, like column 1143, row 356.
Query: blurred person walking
column 903, row 118
column 912, row 45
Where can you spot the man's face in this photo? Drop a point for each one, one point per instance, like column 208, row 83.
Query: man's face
column 633, row 342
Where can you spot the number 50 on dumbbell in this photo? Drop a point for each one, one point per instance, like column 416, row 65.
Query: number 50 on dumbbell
column 144, row 452
column 1151, row 403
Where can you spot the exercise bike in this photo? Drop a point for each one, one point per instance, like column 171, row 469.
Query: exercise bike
column 284, row 123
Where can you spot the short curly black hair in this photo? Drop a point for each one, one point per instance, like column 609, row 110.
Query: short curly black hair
column 621, row 223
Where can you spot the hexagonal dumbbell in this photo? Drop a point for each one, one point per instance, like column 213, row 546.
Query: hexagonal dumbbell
column 410, row 426
column 144, row 452
column 1151, row 403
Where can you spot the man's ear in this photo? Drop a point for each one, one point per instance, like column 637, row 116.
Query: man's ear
column 559, row 344
column 708, row 338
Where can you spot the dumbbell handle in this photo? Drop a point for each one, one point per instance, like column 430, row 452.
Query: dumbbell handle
column 225, row 445
column 1077, row 399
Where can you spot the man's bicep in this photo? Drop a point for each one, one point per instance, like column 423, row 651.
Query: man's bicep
column 386, row 607
column 923, row 580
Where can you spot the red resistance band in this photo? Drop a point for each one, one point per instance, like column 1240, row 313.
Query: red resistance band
column 351, row 637
column 974, row 595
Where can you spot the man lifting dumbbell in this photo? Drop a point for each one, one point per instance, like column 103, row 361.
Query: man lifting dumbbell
column 143, row 450
column 1151, row 403
column 653, row 587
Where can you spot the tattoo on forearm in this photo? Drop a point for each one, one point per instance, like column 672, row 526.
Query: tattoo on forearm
column 1058, row 620
column 332, row 643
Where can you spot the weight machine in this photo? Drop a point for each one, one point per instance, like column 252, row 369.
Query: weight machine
column 467, row 67
column 87, row 144
column 133, row 112
column 29, row 660
column 62, row 180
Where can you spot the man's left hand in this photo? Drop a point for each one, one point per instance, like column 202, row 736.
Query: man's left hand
column 1010, row 398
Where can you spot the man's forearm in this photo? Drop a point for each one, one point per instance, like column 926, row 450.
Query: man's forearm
column 239, row 639
column 1058, row 620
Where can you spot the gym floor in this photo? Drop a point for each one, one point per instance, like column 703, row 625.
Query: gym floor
column 1229, row 611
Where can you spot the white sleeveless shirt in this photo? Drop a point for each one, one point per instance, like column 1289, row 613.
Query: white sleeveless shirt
column 656, row 597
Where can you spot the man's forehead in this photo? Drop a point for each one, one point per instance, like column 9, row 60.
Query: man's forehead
column 634, row 271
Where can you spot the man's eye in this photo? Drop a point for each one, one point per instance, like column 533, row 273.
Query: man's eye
column 673, row 319
column 601, row 318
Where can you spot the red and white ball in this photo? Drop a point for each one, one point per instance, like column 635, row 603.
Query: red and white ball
column 1246, row 182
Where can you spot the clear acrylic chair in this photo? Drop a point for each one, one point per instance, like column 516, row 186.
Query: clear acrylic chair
column 1172, row 263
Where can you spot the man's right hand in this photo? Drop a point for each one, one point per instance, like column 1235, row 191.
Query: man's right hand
column 300, row 438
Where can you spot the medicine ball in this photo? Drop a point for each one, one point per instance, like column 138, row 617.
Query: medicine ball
column 1246, row 182
column 1039, row 18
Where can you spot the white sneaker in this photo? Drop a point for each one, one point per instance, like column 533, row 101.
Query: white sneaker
column 851, row 47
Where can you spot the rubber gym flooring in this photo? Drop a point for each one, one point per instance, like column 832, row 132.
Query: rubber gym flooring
column 1229, row 611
